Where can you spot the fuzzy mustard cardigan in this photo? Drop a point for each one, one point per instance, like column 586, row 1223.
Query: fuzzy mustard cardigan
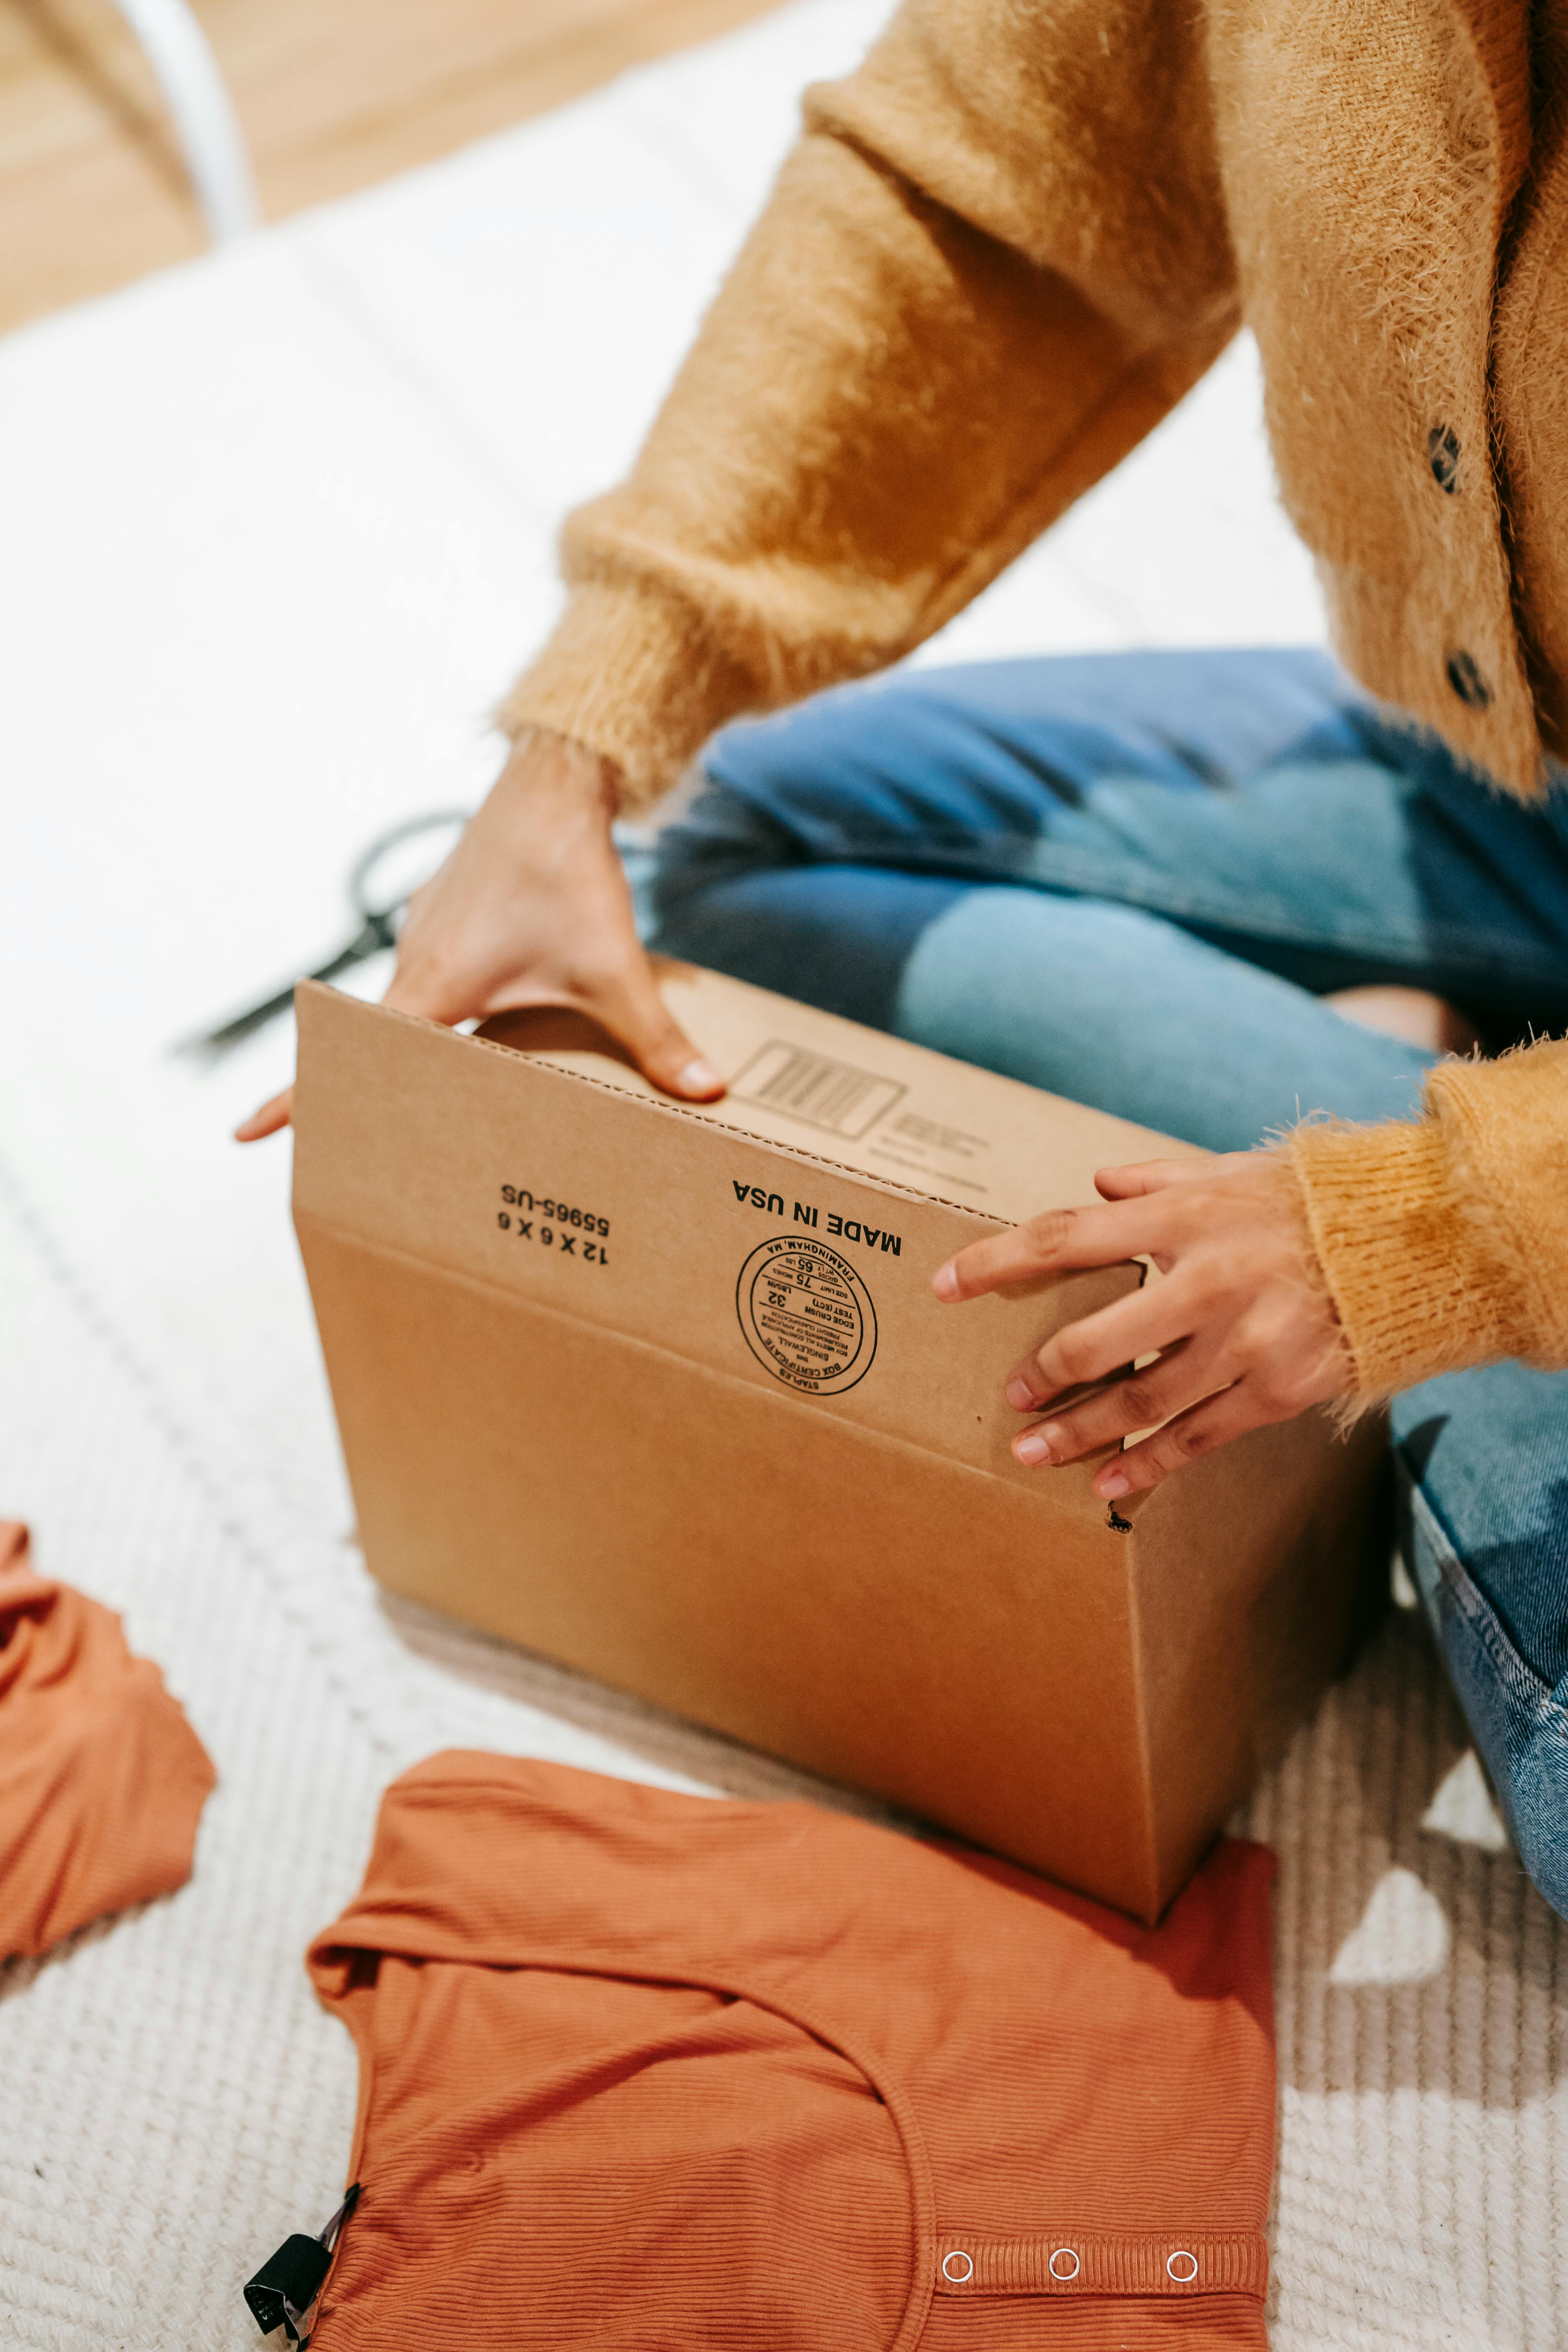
column 1001, row 251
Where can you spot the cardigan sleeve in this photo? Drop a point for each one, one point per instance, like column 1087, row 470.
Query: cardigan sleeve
column 1444, row 1243
column 996, row 258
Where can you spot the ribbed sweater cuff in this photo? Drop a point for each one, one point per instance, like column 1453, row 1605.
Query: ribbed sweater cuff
column 1414, row 1291
column 626, row 673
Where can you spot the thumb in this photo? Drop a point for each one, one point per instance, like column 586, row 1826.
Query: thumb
column 432, row 990
column 637, row 1015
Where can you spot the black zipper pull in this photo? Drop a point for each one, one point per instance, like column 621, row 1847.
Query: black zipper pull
column 286, row 2286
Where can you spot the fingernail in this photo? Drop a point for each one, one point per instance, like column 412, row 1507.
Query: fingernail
column 1111, row 1484
column 944, row 1282
column 1031, row 1448
column 698, row 1077
column 1019, row 1395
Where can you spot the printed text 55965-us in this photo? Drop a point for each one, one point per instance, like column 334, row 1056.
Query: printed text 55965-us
column 518, row 1196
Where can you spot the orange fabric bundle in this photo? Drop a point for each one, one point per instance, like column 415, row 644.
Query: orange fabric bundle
column 102, row 1781
column 648, row 2071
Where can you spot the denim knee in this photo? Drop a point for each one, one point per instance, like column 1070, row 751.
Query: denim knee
column 1486, row 1554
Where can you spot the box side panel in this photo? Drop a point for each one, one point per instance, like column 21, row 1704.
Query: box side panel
column 1256, row 1571
column 626, row 1213
column 899, row 1623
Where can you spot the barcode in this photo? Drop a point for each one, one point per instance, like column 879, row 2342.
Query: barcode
column 808, row 1086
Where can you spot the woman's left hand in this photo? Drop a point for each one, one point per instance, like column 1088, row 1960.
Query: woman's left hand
column 1242, row 1326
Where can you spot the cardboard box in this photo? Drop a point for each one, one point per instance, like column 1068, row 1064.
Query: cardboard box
column 663, row 1393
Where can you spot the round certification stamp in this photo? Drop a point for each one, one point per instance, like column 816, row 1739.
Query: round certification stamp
column 805, row 1315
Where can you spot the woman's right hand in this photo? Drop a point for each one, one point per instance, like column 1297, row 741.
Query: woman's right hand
column 532, row 907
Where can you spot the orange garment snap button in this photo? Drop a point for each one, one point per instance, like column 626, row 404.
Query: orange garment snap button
column 1105, row 2262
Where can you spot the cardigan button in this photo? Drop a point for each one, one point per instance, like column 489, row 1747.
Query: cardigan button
column 1443, row 457
column 1467, row 682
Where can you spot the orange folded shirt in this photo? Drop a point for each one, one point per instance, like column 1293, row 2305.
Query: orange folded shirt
column 102, row 1781
column 639, row 2069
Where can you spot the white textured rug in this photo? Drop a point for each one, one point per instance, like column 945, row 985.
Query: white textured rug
column 276, row 527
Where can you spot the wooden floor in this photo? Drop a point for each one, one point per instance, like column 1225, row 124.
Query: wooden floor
column 333, row 95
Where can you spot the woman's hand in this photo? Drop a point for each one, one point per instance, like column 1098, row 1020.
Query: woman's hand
column 532, row 907
column 1244, row 1330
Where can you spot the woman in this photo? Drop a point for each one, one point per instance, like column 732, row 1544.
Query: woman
column 999, row 255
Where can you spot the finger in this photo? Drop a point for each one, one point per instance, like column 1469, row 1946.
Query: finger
column 1184, row 1376
column 1145, row 1176
column 625, row 1000
column 1099, row 1345
column 1062, row 1240
column 636, row 1012
column 272, row 1114
column 1192, row 1435
column 430, row 991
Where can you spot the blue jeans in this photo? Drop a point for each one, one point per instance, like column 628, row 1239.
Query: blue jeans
column 1131, row 878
